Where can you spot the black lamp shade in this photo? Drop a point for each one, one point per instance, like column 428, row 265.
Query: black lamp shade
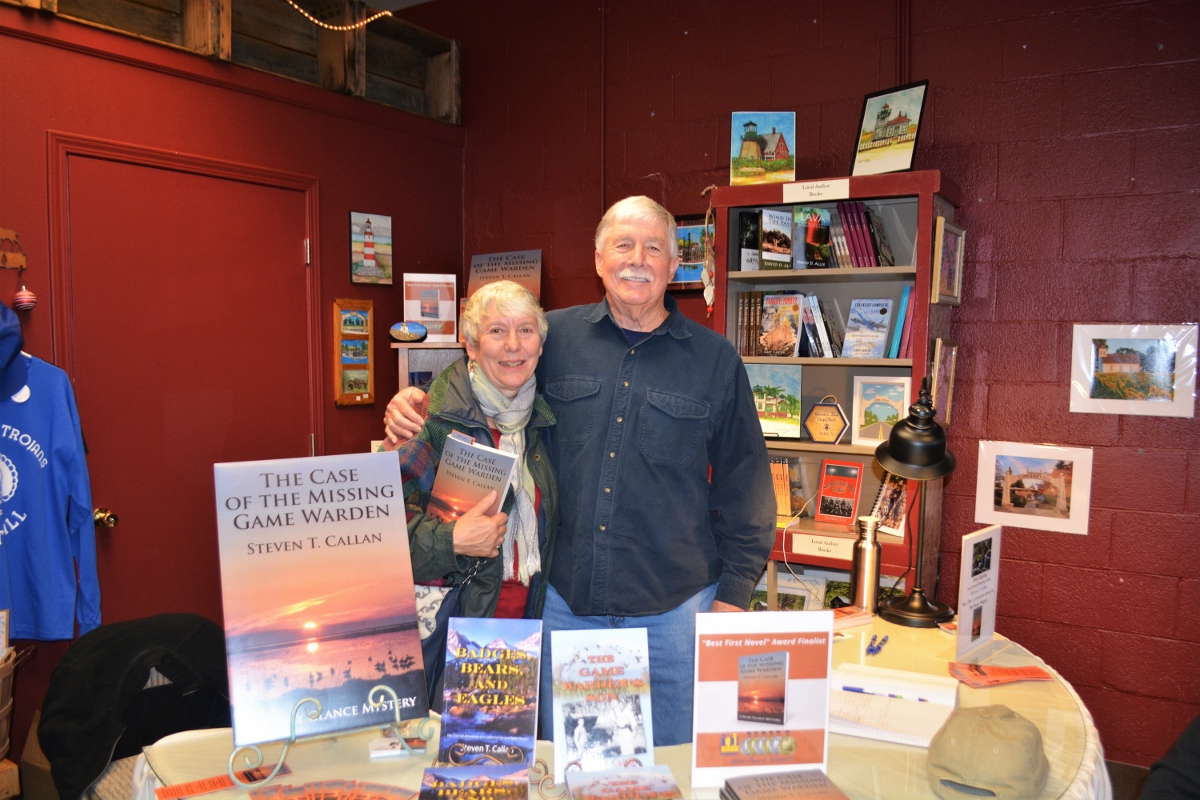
column 916, row 447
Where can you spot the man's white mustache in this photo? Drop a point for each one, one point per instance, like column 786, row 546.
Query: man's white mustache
column 631, row 274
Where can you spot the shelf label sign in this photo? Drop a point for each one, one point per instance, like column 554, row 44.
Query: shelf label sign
column 811, row 544
column 807, row 191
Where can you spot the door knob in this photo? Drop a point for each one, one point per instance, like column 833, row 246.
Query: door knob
column 102, row 516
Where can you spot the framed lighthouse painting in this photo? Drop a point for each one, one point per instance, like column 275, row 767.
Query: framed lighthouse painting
column 370, row 248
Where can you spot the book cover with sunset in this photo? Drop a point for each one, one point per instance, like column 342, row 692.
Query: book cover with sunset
column 761, row 694
column 466, row 472
column 491, row 689
column 483, row 782
column 317, row 587
column 762, row 687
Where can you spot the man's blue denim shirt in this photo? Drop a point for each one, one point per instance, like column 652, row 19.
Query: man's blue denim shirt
column 643, row 526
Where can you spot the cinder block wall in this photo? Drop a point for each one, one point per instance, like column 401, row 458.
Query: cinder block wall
column 1070, row 127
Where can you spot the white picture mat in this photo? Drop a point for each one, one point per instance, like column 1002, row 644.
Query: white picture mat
column 1080, row 493
column 977, row 592
column 1083, row 370
column 859, row 408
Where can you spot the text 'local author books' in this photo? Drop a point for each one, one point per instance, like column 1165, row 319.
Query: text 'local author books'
column 316, row 582
column 628, row 783
column 601, row 695
column 490, row 695
column 466, row 473
column 744, row 721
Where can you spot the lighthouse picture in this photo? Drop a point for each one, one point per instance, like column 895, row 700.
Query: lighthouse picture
column 370, row 248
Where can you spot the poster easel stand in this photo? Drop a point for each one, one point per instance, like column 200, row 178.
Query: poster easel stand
column 376, row 699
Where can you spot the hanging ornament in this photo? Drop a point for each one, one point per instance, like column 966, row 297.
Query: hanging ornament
column 24, row 299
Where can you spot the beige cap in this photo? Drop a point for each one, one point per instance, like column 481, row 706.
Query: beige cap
column 987, row 749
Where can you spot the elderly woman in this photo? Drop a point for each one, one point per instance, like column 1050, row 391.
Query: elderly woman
column 497, row 560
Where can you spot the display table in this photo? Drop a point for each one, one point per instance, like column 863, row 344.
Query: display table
column 863, row 768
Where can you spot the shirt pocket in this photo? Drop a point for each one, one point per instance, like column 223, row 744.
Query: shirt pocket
column 671, row 427
column 574, row 402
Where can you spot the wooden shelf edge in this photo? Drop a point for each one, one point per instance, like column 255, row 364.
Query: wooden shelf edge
column 898, row 363
column 822, row 275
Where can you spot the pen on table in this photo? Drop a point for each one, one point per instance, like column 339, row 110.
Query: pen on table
column 860, row 690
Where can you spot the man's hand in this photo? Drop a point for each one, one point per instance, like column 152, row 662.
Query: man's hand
column 477, row 534
column 719, row 605
column 404, row 416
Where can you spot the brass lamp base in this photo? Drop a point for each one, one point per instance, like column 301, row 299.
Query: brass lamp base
column 915, row 611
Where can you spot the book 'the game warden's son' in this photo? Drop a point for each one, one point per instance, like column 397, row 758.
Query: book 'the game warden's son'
column 491, row 688
column 317, row 586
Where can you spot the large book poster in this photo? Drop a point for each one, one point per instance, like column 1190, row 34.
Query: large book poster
column 521, row 266
column 317, row 586
column 762, row 694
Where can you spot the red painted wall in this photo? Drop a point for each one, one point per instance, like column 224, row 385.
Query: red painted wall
column 1070, row 131
column 60, row 76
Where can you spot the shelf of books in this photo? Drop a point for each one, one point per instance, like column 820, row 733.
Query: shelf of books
column 824, row 287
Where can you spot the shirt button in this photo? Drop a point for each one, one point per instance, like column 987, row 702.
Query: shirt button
column 632, row 351
column 537, row 456
column 607, row 490
column 612, row 454
column 625, row 384
column 603, row 527
column 620, row 419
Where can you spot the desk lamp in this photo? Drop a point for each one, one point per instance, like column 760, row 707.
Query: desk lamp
column 916, row 450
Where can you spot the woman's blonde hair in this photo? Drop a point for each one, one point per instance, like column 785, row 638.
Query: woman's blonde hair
column 505, row 298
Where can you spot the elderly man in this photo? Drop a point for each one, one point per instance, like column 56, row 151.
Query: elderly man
column 667, row 504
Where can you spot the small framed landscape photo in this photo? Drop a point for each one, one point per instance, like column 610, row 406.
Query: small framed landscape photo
column 370, row 248
column 879, row 403
column 1044, row 487
column 776, row 390
column 1148, row 370
column 760, row 147
column 887, row 134
column 948, row 244
column 945, row 354
column 694, row 238
column 353, row 352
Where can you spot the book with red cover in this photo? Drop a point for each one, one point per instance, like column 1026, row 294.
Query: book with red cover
column 848, row 223
column 837, row 499
column 870, row 256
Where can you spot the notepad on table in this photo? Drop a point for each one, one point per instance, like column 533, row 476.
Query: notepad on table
column 889, row 704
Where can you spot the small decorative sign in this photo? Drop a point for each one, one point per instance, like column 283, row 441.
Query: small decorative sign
column 826, row 422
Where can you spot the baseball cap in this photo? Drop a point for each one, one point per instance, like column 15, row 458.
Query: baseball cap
column 987, row 751
column 14, row 370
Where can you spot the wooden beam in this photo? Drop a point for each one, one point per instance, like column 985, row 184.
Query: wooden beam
column 342, row 55
column 208, row 27
column 442, row 86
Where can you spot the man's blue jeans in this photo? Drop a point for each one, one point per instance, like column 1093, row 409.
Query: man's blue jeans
column 672, row 638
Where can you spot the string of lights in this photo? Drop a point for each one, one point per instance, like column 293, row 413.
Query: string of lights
column 327, row 26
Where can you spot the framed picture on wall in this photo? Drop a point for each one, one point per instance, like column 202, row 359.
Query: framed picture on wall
column 948, row 245
column 945, row 354
column 1148, row 370
column 887, row 133
column 370, row 248
column 1039, row 486
column 353, row 352
column 693, row 237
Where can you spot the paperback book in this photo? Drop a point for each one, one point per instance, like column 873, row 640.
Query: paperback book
column 775, row 240
column 809, row 783
column 891, row 504
column 466, row 473
column 811, row 234
column 725, row 745
column 490, row 695
column 506, row 782
column 748, row 240
column 866, row 329
column 601, row 695
column 627, row 783
column 317, row 587
column 780, row 323
column 837, row 501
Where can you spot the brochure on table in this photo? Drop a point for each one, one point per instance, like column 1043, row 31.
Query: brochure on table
column 762, row 695
column 978, row 583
